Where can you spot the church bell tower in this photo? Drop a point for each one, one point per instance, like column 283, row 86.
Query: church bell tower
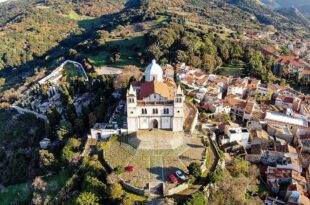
column 178, row 112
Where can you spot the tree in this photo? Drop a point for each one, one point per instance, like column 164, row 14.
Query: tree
column 197, row 199
column 208, row 62
column 37, row 199
column 93, row 166
column 2, row 82
column 38, row 185
column 194, row 61
column 92, row 119
column 47, row 159
column 70, row 151
column 64, row 130
column 93, row 185
column 79, row 125
column 239, row 166
column 127, row 201
column 194, row 169
column 53, row 115
column 116, row 191
column 87, row 198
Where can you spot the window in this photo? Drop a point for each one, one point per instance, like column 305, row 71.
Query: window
column 155, row 111
column 144, row 111
column 131, row 100
column 166, row 111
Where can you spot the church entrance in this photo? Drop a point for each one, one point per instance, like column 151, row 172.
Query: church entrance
column 155, row 124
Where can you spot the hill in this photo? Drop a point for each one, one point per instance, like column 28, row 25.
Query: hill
column 302, row 5
column 295, row 15
column 37, row 34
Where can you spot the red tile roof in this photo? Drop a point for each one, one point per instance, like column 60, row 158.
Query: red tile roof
column 161, row 88
column 291, row 60
column 169, row 70
column 188, row 79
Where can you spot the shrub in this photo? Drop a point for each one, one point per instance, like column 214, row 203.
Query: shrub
column 194, row 169
column 197, row 199
column 119, row 169
column 116, row 191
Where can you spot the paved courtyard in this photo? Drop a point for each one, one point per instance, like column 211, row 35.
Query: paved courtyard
column 154, row 166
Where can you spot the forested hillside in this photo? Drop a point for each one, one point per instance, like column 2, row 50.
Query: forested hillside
column 36, row 34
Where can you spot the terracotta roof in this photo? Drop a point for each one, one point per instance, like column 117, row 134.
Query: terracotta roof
column 267, row 50
column 237, row 102
column 161, row 88
column 198, row 74
column 291, row 60
column 168, row 70
column 188, row 79
column 288, row 99
column 249, row 107
column 306, row 72
column 202, row 80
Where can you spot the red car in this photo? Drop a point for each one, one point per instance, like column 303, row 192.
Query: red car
column 173, row 179
column 129, row 168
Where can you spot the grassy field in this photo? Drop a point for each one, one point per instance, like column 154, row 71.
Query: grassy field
column 16, row 194
column 71, row 71
column 127, row 51
column 234, row 70
column 22, row 193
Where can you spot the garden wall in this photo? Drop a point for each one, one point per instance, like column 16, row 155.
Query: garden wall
column 177, row 189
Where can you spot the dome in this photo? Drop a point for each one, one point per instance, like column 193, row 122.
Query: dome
column 153, row 72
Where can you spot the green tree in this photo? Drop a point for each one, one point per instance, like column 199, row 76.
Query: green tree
column 209, row 62
column 194, row 169
column 87, row 198
column 93, row 185
column 70, row 150
column 116, row 191
column 53, row 115
column 93, row 166
column 239, row 166
column 197, row 199
column 47, row 159
column 64, row 130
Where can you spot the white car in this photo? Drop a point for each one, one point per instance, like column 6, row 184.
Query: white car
column 180, row 175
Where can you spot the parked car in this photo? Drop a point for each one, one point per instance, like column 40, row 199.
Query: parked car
column 129, row 168
column 180, row 175
column 173, row 179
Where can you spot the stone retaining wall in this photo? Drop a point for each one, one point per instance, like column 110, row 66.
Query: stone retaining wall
column 195, row 120
column 177, row 189
column 131, row 188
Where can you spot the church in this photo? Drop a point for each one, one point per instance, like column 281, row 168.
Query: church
column 155, row 102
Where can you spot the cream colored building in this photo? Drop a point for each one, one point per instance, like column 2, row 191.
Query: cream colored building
column 155, row 102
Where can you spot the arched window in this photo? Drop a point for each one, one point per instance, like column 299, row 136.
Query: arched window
column 144, row 111
column 155, row 111
column 166, row 111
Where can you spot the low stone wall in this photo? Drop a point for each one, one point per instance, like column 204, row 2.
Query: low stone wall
column 107, row 162
column 177, row 189
column 133, row 189
column 195, row 120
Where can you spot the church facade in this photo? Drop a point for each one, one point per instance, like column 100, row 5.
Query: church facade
column 155, row 103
